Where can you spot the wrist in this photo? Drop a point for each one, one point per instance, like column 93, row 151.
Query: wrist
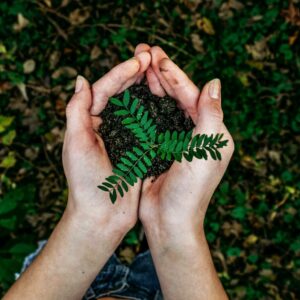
column 178, row 238
column 97, row 221
column 92, row 229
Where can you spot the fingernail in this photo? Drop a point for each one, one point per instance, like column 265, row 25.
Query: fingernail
column 215, row 89
column 137, row 61
column 78, row 84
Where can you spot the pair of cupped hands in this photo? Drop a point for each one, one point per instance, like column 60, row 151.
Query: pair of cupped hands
column 176, row 201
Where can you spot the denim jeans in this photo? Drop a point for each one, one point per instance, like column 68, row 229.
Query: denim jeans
column 137, row 281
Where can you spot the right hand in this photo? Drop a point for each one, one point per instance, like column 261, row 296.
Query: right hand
column 86, row 162
column 176, row 202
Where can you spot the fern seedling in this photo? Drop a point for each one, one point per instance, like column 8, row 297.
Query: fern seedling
column 167, row 145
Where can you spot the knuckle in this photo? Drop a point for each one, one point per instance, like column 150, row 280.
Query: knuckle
column 212, row 111
column 216, row 109
column 156, row 48
column 69, row 108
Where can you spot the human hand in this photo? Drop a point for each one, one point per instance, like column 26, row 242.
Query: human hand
column 85, row 159
column 177, row 200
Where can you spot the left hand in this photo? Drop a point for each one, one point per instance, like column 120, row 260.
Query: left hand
column 85, row 159
column 162, row 203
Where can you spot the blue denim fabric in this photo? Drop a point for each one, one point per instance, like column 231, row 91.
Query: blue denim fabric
column 137, row 281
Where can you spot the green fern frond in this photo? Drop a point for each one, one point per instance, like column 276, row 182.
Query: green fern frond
column 168, row 145
column 132, row 166
column 174, row 146
column 136, row 118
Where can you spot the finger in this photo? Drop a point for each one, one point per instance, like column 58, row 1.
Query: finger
column 111, row 82
column 78, row 109
column 96, row 122
column 147, row 183
column 144, row 60
column 157, row 55
column 154, row 84
column 209, row 110
column 180, row 87
column 139, row 49
column 152, row 184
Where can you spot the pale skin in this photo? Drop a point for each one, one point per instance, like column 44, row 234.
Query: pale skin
column 172, row 208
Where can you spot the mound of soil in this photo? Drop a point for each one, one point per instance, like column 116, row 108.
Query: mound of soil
column 164, row 112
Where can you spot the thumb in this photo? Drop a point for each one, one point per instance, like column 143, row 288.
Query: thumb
column 209, row 109
column 78, row 109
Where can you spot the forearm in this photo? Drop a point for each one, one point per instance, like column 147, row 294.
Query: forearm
column 184, row 265
column 73, row 256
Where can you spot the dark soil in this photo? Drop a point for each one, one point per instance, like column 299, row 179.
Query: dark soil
column 119, row 139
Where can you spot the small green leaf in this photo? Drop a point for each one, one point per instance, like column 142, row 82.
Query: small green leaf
column 103, row 188
column 181, row 136
column 126, row 98
column 179, row 146
column 116, row 101
column 5, row 122
column 204, row 154
column 132, row 126
column 218, row 154
column 124, row 185
column 107, row 184
column 128, row 121
column 126, row 161
column 121, row 112
column 172, row 146
column 212, row 153
column 138, row 172
column 144, row 118
column 214, row 140
column 167, row 136
column 132, row 176
column 148, row 124
column 7, row 205
column 8, row 223
column 152, row 129
column 188, row 156
column 174, row 135
column 118, row 172
column 145, row 146
column 113, row 179
column 120, row 190
column 194, row 141
column 147, row 161
column 9, row 161
column 134, row 105
column 163, row 155
column 140, row 112
column 138, row 151
column 9, row 137
column 198, row 153
column 200, row 140
column 122, row 167
column 129, row 181
column 178, row 156
column 221, row 144
column 160, row 138
column 142, row 167
column 131, row 156
column 187, row 140
column 152, row 136
column 152, row 154
column 207, row 140
column 113, row 196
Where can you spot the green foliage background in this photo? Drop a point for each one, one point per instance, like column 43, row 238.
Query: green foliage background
column 253, row 46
